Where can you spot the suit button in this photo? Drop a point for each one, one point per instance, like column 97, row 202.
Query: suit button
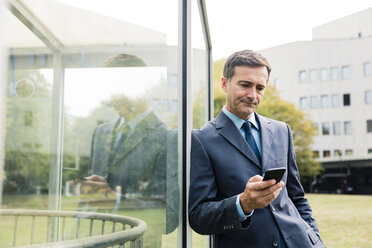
column 275, row 243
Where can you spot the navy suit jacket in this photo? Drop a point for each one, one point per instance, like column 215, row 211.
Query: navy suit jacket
column 221, row 164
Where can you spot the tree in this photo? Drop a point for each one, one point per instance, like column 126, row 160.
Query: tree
column 303, row 130
column 272, row 106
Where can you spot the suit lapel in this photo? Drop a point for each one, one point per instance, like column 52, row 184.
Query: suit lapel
column 266, row 140
column 140, row 132
column 228, row 130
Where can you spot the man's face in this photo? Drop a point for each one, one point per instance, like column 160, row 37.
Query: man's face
column 245, row 90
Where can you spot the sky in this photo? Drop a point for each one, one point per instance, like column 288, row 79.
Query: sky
column 234, row 24
column 243, row 24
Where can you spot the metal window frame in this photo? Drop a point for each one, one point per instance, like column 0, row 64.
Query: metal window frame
column 35, row 25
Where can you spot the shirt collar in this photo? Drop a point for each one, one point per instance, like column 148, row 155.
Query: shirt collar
column 239, row 121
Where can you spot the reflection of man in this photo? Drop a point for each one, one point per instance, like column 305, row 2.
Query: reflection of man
column 228, row 198
column 134, row 154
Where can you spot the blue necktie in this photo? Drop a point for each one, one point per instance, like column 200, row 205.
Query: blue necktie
column 250, row 139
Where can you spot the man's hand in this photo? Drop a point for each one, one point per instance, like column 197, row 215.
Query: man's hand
column 258, row 194
column 97, row 181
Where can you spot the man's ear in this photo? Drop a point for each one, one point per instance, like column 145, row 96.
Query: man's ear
column 224, row 84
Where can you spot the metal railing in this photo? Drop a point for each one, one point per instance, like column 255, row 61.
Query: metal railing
column 132, row 235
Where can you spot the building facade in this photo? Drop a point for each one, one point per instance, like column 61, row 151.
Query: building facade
column 330, row 79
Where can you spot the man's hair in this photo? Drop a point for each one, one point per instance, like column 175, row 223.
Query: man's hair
column 124, row 60
column 244, row 58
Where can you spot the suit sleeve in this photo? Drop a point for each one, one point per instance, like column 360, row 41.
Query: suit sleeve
column 295, row 190
column 208, row 214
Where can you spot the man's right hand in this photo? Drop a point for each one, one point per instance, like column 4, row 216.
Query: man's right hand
column 258, row 194
column 97, row 181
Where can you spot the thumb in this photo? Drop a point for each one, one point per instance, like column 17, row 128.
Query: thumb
column 256, row 178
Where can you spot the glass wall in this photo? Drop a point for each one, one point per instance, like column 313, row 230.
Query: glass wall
column 93, row 116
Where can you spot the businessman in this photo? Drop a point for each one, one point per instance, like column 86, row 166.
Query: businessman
column 228, row 198
column 136, row 153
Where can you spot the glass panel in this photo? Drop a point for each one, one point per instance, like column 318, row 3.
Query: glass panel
column 104, row 113
column 367, row 68
column 347, row 127
column 324, row 101
column 368, row 97
column 335, row 100
column 28, row 120
column 199, row 85
column 334, row 73
column 303, row 103
column 314, row 102
column 345, row 72
column 325, row 128
column 313, row 75
column 346, row 99
column 323, row 74
column 369, row 126
column 348, row 152
column 336, row 128
column 302, row 76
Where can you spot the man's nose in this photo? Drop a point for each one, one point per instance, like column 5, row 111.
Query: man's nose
column 251, row 93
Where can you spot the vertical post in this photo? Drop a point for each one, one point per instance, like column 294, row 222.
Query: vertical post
column 56, row 151
column 3, row 90
column 186, row 119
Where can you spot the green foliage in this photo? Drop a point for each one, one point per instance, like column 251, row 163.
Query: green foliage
column 218, row 94
column 25, row 171
column 303, row 129
column 199, row 115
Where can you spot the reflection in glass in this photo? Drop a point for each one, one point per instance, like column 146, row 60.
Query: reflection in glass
column 133, row 161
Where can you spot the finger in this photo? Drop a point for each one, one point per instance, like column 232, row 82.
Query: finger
column 268, row 191
column 261, row 185
column 256, row 178
column 95, row 178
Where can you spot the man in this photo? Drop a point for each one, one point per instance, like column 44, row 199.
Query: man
column 228, row 198
column 136, row 153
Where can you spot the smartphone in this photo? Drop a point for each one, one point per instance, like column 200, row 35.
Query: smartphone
column 274, row 173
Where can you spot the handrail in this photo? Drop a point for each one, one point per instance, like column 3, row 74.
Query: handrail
column 134, row 234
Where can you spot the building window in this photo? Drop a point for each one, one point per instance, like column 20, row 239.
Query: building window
column 368, row 95
column 326, row 153
column 335, row 100
column 314, row 102
column 345, row 72
column 323, row 74
column 370, row 151
column 337, row 153
column 347, row 127
column 303, row 103
column 316, row 154
column 369, row 126
column 348, row 152
column 302, row 76
column 336, row 128
column 367, row 69
column 334, row 73
column 324, row 101
column 346, row 99
column 313, row 75
column 325, row 128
